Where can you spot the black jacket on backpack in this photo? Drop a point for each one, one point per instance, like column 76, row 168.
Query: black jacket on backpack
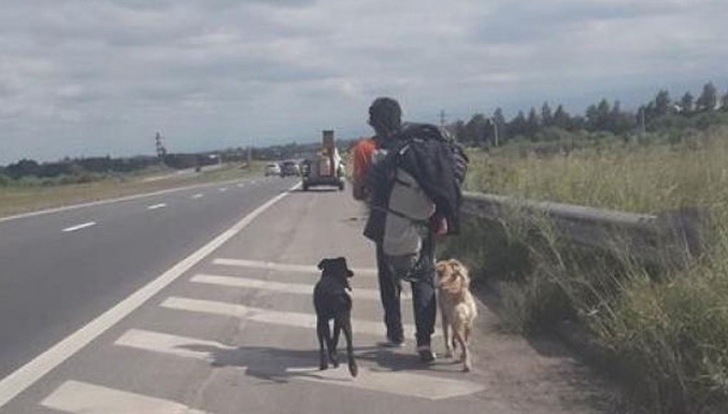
column 421, row 151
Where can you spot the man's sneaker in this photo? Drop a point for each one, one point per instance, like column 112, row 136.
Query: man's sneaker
column 426, row 354
column 393, row 342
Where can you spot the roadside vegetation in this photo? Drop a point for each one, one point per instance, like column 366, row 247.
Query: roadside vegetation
column 661, row 331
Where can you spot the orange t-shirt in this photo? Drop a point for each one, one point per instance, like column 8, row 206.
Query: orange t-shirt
column 362, row 160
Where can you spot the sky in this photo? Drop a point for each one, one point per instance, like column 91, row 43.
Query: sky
column 96, row 78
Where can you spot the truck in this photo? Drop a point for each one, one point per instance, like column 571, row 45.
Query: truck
column 325, row 168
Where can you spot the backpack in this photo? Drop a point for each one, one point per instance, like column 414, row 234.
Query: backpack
column 414, row 133
column 435, row 160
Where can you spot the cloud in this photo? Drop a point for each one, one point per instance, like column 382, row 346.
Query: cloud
column 104, row 76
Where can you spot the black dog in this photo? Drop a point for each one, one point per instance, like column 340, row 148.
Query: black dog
column 332, row 300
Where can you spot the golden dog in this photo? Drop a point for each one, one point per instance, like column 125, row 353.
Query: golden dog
column 457, row 307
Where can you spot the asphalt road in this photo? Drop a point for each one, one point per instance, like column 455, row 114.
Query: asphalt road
column 204, row 305
column 52, row 282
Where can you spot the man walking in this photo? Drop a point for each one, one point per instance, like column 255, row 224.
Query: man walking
column 400, row 224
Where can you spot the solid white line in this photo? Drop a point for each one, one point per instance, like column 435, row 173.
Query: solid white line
column 293, row 288
column 109, row 201
column 293, row 319
column 283, row 267
column 80, row 226
column 156, row 206
column 31, row 372
column 80, row 397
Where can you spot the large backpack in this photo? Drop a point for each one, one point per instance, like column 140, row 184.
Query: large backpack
column 414, row 133
column 435, row 160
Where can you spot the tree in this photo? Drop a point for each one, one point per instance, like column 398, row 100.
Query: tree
column 518, row 125
column 686, row 103
column 533, row 123
column 724, row 102
column 619, row 122
column 597, row 116
column 561, row 118
column 477, row 129
column 547, row 118
column 662, row 103
column 708, row 100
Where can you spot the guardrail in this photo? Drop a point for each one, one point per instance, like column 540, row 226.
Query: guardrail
column 671, row 236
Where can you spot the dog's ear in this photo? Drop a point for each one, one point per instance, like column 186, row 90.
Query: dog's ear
column 441, row 266
column 323, row 263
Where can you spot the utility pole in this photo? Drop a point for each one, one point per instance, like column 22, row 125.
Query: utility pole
column 161, row 151
column 442, row 118
column 495, row 130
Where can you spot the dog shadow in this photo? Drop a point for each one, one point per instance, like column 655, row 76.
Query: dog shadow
column 282, row 365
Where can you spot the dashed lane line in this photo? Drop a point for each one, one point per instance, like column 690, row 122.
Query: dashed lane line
column 79, row 226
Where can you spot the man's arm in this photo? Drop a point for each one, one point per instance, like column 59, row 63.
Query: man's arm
column 362, row 159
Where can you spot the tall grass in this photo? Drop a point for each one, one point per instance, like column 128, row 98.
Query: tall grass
column 665, row 333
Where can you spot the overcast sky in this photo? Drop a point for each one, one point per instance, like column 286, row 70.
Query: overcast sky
column 88, row 78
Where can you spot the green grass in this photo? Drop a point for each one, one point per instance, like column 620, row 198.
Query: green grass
column 665, row 330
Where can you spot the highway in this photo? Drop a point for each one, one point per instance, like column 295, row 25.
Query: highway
column 199, row 301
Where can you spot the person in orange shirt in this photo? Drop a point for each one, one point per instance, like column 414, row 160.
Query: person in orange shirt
column 385, row 118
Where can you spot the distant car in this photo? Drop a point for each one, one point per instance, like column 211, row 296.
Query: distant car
column 272, row 169
column 290, row 168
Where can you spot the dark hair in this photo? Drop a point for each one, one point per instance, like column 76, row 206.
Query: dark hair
column 385, row 115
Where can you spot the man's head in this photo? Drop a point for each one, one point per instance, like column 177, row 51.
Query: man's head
column 385, row 116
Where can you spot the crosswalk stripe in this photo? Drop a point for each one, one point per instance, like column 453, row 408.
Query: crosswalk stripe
column 294, row 288
column 392, row 382
column 295, row 319
column 81, row 397
column 172, row 344
column 283, row 267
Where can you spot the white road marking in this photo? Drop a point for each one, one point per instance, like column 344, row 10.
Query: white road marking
column 391, row 382
column 79, row 227
column 198, row 195
column 80, row 397
column 294, row 319
column 156, row 206
column 282, row 267
column 172, row 344
column 222, row 190
column 294, row 288
column 31, row 372
column 241, row 185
